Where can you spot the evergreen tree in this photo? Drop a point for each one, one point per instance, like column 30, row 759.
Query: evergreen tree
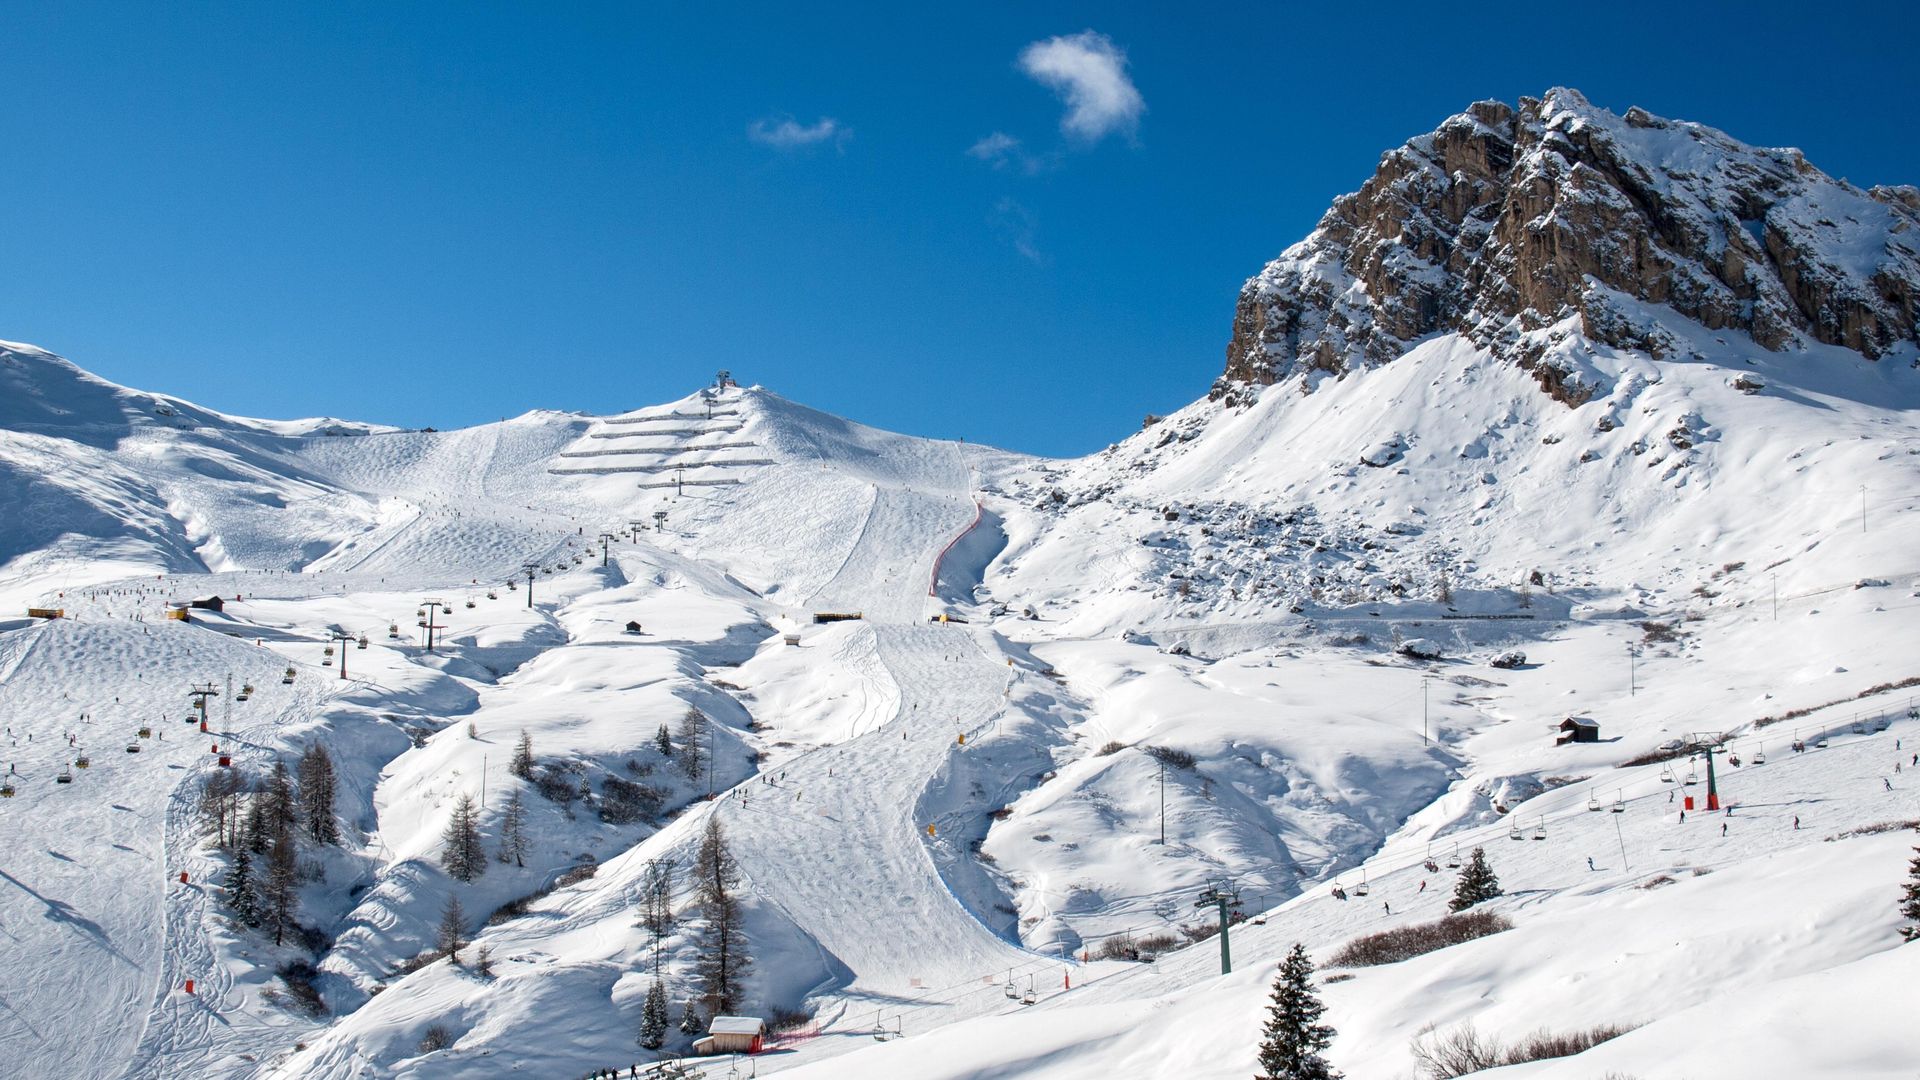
column 280, row 894
column 279, row 800
column 664, row 741
column 241, row 898
column 521, row 764
column 463, row 856
column 453, row 929
column 1293, row 1036
column 318, row 785
column 723, row 962
column 1477, row 883
column 692, row 754
column 653, row 1017
column 1910, row 899
column 513, row 832
column 689, row 1020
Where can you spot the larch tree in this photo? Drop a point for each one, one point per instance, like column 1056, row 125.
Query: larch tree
column 521, row 764
column 692, row 755
column 462, row 855
column 280, row 893
column 1477, row 883
column 1294, row 1038
column 723, row 962
column 318, row 787
column 513, row 832
column 453, row 929
column 656, row 903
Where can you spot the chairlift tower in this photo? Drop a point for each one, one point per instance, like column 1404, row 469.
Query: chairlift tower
column 1224, row 898
column 200, row 693
column 530, row 569
column 1709, row 743
column 660, row 521
column 606, row 546
column 344, row 639
column 431, row 608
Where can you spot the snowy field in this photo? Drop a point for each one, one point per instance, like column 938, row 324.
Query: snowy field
column 1247, row 635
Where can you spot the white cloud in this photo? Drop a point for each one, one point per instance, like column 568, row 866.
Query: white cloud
column 786, row 133
column 1089, row 72
column 995, row 147
column 1017, row 227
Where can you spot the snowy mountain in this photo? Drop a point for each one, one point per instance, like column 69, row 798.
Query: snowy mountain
column 1563, row 414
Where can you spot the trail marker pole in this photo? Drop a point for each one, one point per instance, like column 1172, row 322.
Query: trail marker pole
column 1163, row 803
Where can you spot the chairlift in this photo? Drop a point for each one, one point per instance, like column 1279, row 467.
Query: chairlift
column 393, row 629
column 362, row 643
column 1619, row 802
column 65, row 776
column 420, row 613
column 1858, row 728
column 1733, row 759
column 1029, row 997
column 1453, row 860
column 1593, row 801
column 1666, row 774
column 133, row 748
column 511, row 587
column 1362, row 889
column 287, row 679
column 469, row 601
column 1760, row 756
column 1540, row 830
column 146, row 732
column 82, row 761
column 6, row 789
column 1516, row 834
column 1338, row 892
column 1821, row 743
column 1012, row 991
column 446, row 609
column 1693, row 772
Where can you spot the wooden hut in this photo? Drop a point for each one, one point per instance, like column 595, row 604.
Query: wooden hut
column 1577, row 729
column 732, row 1035
column 208, row 603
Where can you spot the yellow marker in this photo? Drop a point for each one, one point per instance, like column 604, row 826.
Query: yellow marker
column 963, row 738
column 929, row 828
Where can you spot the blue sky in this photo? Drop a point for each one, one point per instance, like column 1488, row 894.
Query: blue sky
column 423, row 214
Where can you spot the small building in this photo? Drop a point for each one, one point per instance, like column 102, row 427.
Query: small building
column 179, row 611
column 46, row 613
column 208, row 603
column 1576, row 729
column 732, row 1035
column 633, row 626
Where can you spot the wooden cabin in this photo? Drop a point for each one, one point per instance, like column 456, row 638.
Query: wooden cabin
column 1578, row 729
column 208, row 603
column 732, row 1035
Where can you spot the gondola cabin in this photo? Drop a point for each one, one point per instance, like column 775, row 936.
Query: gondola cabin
column 732, row 1035
column 1578, row 729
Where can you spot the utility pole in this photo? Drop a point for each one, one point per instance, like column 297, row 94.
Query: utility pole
column 1776, row 597
column 1633, row 673
column 1163, row 802
column 428, row 609
column 1221, row 897
column 1863, row 508
column 531, row 569
column 606, row 546
column 1425, row 681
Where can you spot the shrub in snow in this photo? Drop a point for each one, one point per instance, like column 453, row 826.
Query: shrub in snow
column 1477, row 883
column 1172, row 757
column 1419, row 649
column 623, row 802
column 1464, row 1051
column 1406, row 942
column 1293, row 1039
column 1113, row 747
column 437, row 1037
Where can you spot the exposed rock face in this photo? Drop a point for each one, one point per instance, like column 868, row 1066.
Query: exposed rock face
column 1521, row 227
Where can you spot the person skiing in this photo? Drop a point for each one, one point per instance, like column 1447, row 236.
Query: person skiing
column 1590, row 862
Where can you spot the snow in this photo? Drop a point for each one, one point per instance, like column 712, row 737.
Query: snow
column 926, row 813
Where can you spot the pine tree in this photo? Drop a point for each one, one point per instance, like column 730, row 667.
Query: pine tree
column 723, row 962
column 653, row 1016
column 279, row 799
column 521, row 764
column 1294, row 1037
column 689, row 1020
column 513, row 832
column 1477, row 883
column 664, row 741
column 279, row 895
column 463, row 856
column 453, row 929
column 1910, row 899
column 318, row 787
column 692, row 755
column 238, row 884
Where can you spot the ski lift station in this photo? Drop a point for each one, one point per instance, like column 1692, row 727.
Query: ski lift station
column 732, row 1035
column 1578, row 729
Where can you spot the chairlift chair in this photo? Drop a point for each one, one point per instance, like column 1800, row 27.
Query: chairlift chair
column 1593, row 801
column 1540, row 830
column 1666, row 774
column 1516, row 834
column 1760, row 757
column 362, row 643
column 420, row 613
column 511, row 587
column 491, row 595
column 1619, row 803
column 1362, row 888
column 6, row 790
column 1734, row 759
column 133, row 748
column 469, row 601
column 287, row 679
column 1453, row 860
column 1821, row 743
column 1012, row 991
column 146, row 732
column 1338, row 892
column 65, row 776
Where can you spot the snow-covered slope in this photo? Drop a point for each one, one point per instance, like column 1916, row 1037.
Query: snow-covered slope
column 1564, row 414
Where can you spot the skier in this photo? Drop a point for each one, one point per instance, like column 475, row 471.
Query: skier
column 1887, row 782
column 1723, row 828
column 1589, row 862
column 1796, row 822
column 1683, row 817
column 1388, row 906
column 1422, row 888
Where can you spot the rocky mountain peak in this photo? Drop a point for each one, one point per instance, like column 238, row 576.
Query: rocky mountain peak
column 1555, row 224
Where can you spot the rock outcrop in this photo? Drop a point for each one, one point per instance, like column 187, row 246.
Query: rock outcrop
column 1522, row 227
